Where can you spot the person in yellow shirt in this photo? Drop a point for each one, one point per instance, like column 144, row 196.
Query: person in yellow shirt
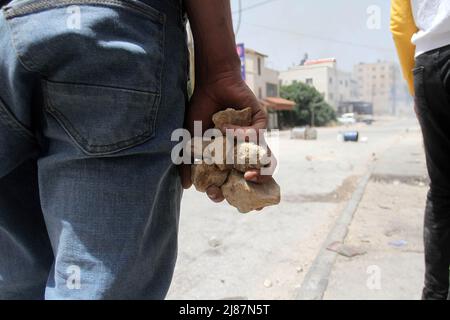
column 421, row 31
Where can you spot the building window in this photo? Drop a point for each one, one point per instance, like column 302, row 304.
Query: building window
column 259, row 93
column 271, row 90
column 331, row 80
column 309, row 81
column 259, row 66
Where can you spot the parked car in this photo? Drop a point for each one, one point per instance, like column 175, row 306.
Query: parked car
column 367, row 119
column 347, row 119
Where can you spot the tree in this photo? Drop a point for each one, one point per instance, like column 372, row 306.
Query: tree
column 310, row 106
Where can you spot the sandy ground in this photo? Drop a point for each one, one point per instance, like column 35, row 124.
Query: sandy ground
column 388, row 227
column 223, row 254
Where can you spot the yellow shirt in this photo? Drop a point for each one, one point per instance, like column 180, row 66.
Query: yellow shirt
column 403, row 27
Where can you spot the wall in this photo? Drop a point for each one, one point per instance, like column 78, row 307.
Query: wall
column 256, row 79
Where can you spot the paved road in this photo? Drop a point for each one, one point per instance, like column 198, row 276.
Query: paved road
column 224, row 254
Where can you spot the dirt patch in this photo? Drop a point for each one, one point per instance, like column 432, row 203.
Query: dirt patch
column 340, row 194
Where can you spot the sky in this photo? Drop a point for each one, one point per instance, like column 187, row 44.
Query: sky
column 352, row 31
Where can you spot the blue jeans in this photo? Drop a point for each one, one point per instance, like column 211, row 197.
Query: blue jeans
column 90, row 92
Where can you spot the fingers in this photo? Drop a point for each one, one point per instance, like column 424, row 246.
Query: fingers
column 215, row 194
column 185, row 175
column 262, row 175
column 255, row 176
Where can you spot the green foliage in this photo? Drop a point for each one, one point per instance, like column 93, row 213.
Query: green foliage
column 310, row 108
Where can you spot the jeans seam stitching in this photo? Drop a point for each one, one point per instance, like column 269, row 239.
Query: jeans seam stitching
column 20, row 57
column 78, row 84
column 14, row 124
column 162, row 41
column 57, row 115
column 11, row 12
column 69, row 128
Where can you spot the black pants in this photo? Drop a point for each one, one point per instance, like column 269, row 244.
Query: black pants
column 432, row 85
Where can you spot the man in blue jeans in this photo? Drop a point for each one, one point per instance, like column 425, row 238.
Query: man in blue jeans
column 90, row 92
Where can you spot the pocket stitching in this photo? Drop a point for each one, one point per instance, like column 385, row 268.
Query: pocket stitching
column 418, row 69
column 419, row 72
column 75, row 135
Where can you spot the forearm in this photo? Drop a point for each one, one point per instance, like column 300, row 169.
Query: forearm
column 214, row 40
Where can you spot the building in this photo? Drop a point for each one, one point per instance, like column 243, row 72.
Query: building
column 335, row 85
column 264, row 82
column 382, row 85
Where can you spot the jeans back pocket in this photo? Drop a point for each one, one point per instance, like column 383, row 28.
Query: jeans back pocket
column 102, row 120
column 101, row 63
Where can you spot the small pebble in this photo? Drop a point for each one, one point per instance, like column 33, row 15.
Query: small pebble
column 267, row 283
column 214, row 242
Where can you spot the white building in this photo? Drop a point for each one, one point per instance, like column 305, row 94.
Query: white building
column 335, row 85
column 265, row 84
column 381, row 84
column 263, row 81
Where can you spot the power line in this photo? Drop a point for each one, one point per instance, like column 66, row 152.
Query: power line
column 256, row 5
column 238, row 27
column 305, row 35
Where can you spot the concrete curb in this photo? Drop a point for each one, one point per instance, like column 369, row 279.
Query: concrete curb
column 316, row 280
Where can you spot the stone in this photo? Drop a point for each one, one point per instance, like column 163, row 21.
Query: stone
column 245, row 196
column 346, row 250
column 214, row 242
column 241, row 118
column 204, row 176
column 217, row 152
column 267, row 283
column 197, row 146
column 244, row 156
column 248, row 196
column 249, row 156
